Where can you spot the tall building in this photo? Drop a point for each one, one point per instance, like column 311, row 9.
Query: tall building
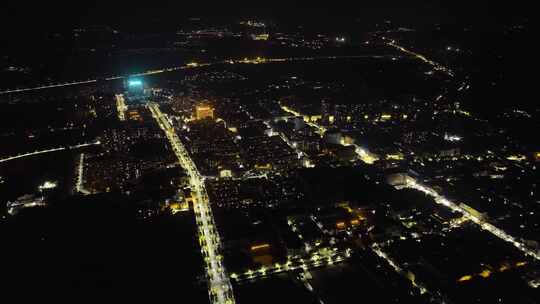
column 204, row 111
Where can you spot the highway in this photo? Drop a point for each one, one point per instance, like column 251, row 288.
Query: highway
column 51, row 86
column 320, row 129
column 220, row 289
column 194, row 65
column 47, row 151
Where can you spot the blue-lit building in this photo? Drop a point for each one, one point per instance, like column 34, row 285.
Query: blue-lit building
column 135, row 91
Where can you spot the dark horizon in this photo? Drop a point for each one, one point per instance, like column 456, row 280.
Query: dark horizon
column 39, row 16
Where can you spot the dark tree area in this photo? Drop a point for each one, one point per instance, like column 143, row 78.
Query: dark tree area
column 101, row 246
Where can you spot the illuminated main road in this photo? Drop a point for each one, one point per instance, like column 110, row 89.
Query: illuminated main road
column 47, row 151
column 220, row 289
column 192, row 65
column 305, row 263
column 435, row 65
column 80, row 178
column 368, row 158
column 121, row 107
column 411, row 184
column 379, row 252
column 499, row 233
column 362, row 153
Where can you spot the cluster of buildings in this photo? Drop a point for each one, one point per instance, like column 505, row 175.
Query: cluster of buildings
column 440, row 143
column 131, row 147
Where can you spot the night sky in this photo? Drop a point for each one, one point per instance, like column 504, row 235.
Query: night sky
column 27, row 16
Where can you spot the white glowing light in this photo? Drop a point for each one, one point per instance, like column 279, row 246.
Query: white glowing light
column 48, row 185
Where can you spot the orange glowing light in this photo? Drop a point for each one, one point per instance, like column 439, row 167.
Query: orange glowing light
column 485, row 273
column 257, row 247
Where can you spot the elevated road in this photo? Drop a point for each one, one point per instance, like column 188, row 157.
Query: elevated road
column 193, row 65
column 9, row 158
column 50, row 86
